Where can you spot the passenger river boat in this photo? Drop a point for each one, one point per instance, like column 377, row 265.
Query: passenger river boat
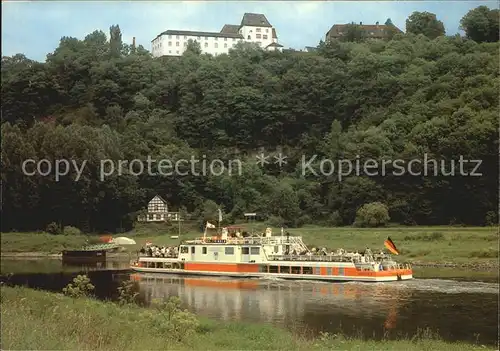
column 268, row 256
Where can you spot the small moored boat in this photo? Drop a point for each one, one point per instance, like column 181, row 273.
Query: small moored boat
column 91, row 253
column 268, row 256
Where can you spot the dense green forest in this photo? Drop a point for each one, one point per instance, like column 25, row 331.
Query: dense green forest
column 419, row 93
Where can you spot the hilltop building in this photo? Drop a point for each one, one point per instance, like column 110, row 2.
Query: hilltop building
column 254, row 28
column 157, row 211
column 373, row 31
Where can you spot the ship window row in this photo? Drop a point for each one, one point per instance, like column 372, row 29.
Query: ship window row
column 298, row 270
column 250, row 251
column 227, row 250
column 163, row 265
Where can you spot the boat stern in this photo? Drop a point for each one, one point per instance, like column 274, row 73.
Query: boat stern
column 396, row 273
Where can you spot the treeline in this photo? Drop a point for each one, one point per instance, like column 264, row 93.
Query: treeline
column 414, row 95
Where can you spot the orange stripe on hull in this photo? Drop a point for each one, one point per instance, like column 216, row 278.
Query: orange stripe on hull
column 222, row 267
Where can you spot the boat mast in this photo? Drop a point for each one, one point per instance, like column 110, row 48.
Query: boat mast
column 179, row 220
column 220, row 220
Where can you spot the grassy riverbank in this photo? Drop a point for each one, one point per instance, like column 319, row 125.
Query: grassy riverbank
column 46, row 321
column 454, row 245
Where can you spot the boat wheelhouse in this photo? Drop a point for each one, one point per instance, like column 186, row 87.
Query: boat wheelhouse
column 268, row 256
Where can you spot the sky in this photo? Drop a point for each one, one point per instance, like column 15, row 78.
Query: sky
column 34, row 28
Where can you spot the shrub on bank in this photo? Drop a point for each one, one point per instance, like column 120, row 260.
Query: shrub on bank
column 374, row 214
column 69, row 230
column 53, row 228
column 81, row 287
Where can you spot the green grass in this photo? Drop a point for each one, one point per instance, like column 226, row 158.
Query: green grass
column 460, row 245
column 36, row 320
column 40, row 242
column 463, row 274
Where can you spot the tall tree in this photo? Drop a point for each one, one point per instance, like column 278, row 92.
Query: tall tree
column 353, row 33
column 425, row 23
column 115, row 41
column 193, row 47
column 481, row 24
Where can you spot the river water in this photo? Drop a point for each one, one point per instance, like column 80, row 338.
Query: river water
column 457, row 310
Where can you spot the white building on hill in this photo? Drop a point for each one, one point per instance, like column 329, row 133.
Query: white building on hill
column 254, row 28
column 157, row 211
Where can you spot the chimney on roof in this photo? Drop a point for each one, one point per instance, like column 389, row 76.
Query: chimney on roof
column 133, row 42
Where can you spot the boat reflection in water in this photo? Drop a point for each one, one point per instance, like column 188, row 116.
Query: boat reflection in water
column 319, row 306
column 99, row 265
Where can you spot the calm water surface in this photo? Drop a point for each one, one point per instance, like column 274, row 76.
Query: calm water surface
column 456, row 310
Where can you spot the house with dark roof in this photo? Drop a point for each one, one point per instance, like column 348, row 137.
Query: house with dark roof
column 254, row 27
column 157, row 211
column 373, row 31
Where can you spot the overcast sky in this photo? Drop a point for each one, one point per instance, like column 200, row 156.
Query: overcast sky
column 35, row 28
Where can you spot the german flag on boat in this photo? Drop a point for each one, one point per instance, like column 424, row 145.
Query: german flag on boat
column 389, row 244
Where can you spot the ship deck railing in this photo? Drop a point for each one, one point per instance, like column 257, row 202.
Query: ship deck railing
column 160, row 256
column 272, row 240
column 310, row 258
column 98, row 247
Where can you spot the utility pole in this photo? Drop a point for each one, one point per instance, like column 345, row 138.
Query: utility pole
column 179, row 220
column 220, row 220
